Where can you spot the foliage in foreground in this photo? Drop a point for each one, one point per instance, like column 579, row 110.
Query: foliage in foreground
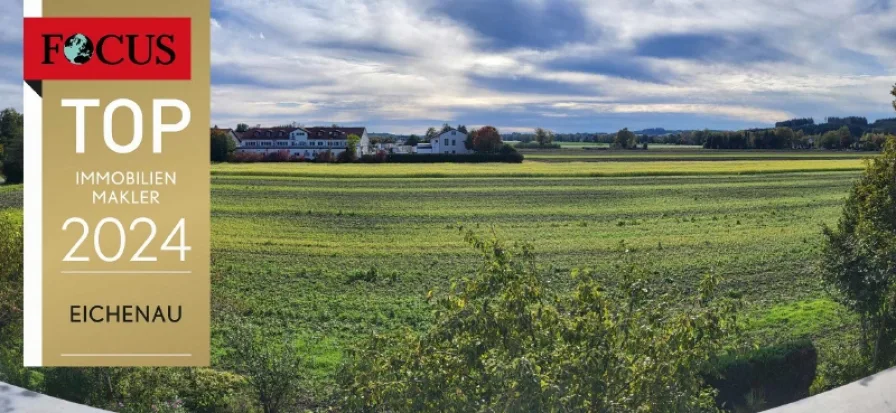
column 859, row 257
column 273, row 370
column 501, row 342
column 767, row 377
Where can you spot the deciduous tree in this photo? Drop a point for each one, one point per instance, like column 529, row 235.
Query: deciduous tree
column 859, row 257
column 543, row 137
column 487, row 139
column 11, row 140
column 221, row 146
column 625, row 139
column 500, row 341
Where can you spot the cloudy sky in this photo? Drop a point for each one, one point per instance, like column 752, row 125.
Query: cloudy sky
column 569, row 65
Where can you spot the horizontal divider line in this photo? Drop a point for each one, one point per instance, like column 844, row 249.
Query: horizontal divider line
column 127, row 272
column 128, row 355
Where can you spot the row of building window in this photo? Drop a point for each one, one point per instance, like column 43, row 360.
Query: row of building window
column 287, row 143
column 453, row 142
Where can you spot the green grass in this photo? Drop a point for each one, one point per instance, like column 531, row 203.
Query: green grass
column 684, row 153
column 535, row 169
column 332, row 253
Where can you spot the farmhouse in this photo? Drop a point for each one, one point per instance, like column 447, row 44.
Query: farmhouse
column 450, row 141
column 302, row 142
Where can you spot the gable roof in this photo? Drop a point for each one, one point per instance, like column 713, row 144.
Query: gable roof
column 266, row 133
column 338, row 133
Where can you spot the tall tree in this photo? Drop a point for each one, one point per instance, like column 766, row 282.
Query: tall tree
column 221, row 146
column 11, row 140
column 446, row 128
column 351, row 147
column 462, row 129
column 487, row 139
column 543, row 137
column 859, row 257
column 431, row 133
column 625, row 139
column 242, row 127
column 845, row 137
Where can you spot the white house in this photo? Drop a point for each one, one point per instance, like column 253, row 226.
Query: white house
column 451, row 141
column 302, row 142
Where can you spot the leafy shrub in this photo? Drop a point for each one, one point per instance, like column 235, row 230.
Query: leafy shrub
column 10, row 270
column 246, row 157
column 13, row 163
column 780, row 374
column 273, row 369
column 11, row 370
column 277, row 156
column 325, row 157
column 842, row 363
column 501, row 342
column 859, row 254
column 221, row 146
column 378, row 157
column 206, row 391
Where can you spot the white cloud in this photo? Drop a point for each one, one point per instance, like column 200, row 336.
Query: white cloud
column 402, row 64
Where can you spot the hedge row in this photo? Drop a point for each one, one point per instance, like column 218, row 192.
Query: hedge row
column 381, row 157
column 778, row 375
column 508, row 157
column 536, row 145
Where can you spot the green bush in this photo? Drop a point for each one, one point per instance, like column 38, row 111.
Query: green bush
column 221, row 146
column 779, row 374
column 501, row 341
column 207, row 391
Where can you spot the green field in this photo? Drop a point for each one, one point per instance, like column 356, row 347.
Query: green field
column 680, row 153
column 332, row 252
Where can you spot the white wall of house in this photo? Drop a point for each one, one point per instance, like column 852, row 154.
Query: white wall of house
column 299, row 143
column 308, row 153
column 450, row 142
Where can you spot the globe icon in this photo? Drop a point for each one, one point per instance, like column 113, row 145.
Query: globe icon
column 78, row 49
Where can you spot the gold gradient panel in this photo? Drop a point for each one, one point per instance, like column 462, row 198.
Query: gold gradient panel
column 185, row 343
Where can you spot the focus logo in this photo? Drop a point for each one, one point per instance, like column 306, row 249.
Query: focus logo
column 107, row 49
column 78, row 49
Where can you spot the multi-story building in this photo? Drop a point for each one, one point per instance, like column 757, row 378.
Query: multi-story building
column 302, row 142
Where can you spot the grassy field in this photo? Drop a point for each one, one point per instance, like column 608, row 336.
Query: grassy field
column 334, row 252
column 684, row 153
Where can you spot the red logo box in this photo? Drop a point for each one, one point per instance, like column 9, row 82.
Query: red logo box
column 107, row 49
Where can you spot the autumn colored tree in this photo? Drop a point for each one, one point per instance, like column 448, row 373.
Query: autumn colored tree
column 487, row 139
